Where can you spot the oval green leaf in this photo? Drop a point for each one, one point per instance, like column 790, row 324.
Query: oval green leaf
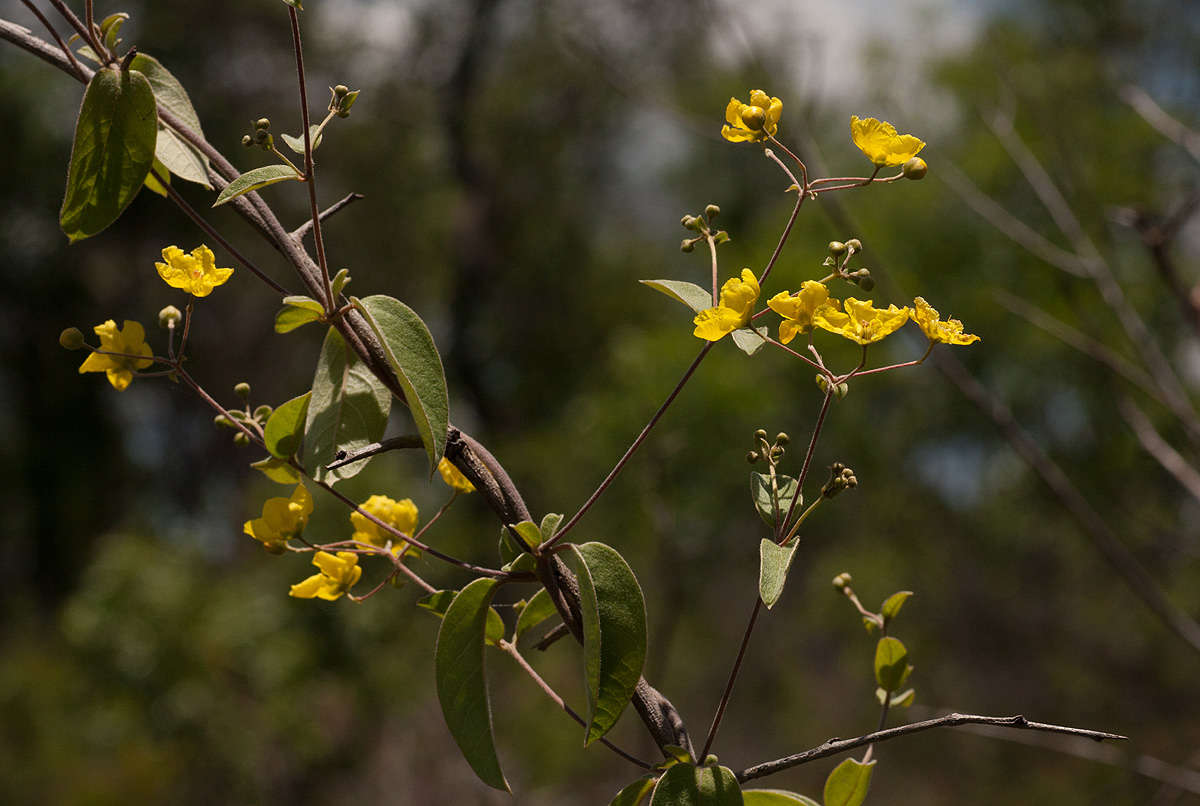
column 296, row 312
column 461, row 680
column 891, row 663
column 348, row 410
column 634, row 794
column 181, row 157
column 536, row 610
column 764, row 501
column 112, row 152
column 613, row 615
column 775, row 797
column 685, row 785
column 774, row 563
column 277, row 470
column 255, row 179
column 285, row 427
column 750, row 340
column 438, row 603
column 410, row 350
column 848, row 784
column 297, row 143
column 891, row 607
column 689, row 294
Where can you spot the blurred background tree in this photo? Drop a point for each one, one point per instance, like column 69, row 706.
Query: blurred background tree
column 524, row 164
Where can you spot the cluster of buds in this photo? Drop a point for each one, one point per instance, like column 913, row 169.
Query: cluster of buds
column 261, row 136
column 838, row 390
column 840, row 478
column 840, row 254
column 841, row 582
column 702, row 224
column 342, row 98
column 770, row 452
column 256, row 419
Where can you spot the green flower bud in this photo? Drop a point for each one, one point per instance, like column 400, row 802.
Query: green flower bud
column 240, row 438
column 692, row 222
column 822, row 383
column 712, row 211
column 169, row 316
column 687, row 245
column 752, row 457
column 841, row 581
column 222, row 421
column 71, row 338
column 841, row 390
column 262, row 124
column 340, row 91
column 837, row 248
column 754, row 117
column 915, row 168
column 782, row 438
column 867, row 283
column 262, row 412
column 247, row 140
column 854, row 245
column 760, row 433
column 242, row 390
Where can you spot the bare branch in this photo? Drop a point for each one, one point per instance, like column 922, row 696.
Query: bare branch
column 1157, row 117
column 302, row 230
column 834, row 746
column 392, row 443
column 1171, row 460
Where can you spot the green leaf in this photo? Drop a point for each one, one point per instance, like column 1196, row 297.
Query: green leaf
column 635, row 793
column 901, row 700
column 348, row 410
column 438, row 603
column 86, row 51
column 685, row 785
column 461, row 682
column 110, row 29
column 152, row 183
column 523, row 563
column 550, row 525
column 689, row 294
column 529, row 532
column 892, row 606
column 297, row 143
column 112, row 152
column 255, row 179
column 775, row 797
column 181, row 157
column 613, row 615
column 277, row 470
column 340, row 281
column 891, row 663
column 285, row 427
column 298, row 311
column 410, row 350
column 294, row 4
column 847, row 785
column 750, row 340
column 760, row 490
column 774, row 562
column 537, row 610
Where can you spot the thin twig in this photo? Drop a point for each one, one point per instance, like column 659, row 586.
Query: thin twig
column 553, row 695
column 733, row 676
column 302, row 230
column 402, row 442
column 1170, row 459
column 834, row 746
column 87, row 35
column 631, row 450
column 78, row 68
column 1157, row 117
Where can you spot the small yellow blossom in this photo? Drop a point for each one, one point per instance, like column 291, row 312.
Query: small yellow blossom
column 196, row 273
column 752, row 122
column 861, row 322
column 402, row 515
column 338, row 575
column 130, row 340
column 880, row 142
column 282, row 519
column 798, row 309
column 949, row 331
column 452, row 476
column 737, row 304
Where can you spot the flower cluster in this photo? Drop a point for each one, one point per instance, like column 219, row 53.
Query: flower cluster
column 282, row 519
column 401, row 515
column 736, row 305
column 338, row 575
column 752, row 122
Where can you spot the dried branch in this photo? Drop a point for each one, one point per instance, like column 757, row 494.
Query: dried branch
column 834, row 746
column 1170, row 459
column 302, row 230
column 1157, row 117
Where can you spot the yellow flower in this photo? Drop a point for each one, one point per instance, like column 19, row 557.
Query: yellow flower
column 401, row 515
column 861, row 322
column 282, row 519
column 752, row 122
column 196, row 273
column 737, row 304
column 798, row 309
column 338, row 575
column 880, row 142
column 130, row 340
column 947, row 332
column 452, row 476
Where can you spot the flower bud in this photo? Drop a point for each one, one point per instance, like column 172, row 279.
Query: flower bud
column 841, row 390
column 854, row 245
column 262, row 412
column 242, row 390
column 262, row 124
column 71, row 338
column 247, row 140
column 712, row 211
column 837, row 248
column 169, row 316
column 754, row 117
column 240, row 438
column 822, row 383
column 222, row 421
column 915, row 168
column 760, row 433
column 273, row 548
column 841, row 581
column 866, row 283
column 687, row 245
column 752, row 457
column 692, row 222
column 340, row 90
column 782, row 438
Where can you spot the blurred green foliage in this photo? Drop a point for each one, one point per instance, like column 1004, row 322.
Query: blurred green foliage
column 524, row 165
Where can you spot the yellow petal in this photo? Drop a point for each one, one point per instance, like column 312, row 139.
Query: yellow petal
column 309, row 587
column 714, row 324
column 119, row 378
column 733, row 112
